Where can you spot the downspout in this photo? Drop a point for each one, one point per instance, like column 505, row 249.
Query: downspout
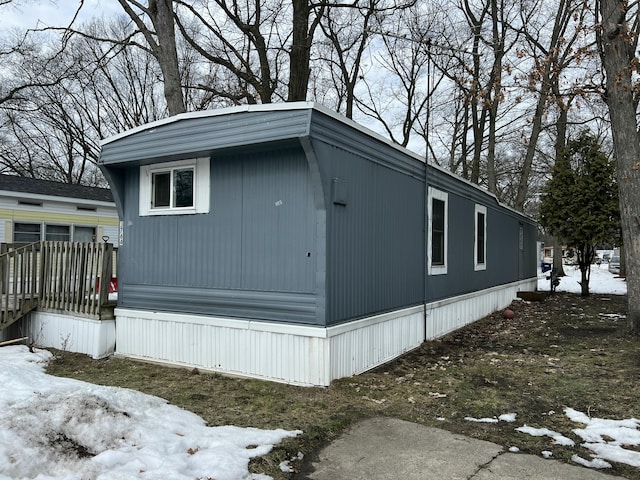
column 426, row 188
column 426, row 250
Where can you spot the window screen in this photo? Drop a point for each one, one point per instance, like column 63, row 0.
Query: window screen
column 57, row 233
column 26, row 232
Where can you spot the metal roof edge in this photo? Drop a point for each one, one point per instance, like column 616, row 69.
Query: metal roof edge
column 263, row 107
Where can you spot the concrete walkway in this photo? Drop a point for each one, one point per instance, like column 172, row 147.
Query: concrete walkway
column 387, row 448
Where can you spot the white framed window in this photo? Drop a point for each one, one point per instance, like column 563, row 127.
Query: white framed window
column 32, row 232
column 175, row 188
column 438, row 226
column 480, row 243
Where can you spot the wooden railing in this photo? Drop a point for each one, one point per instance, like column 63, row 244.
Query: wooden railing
column 74, row 277
column 18, row 281
column 60, row 276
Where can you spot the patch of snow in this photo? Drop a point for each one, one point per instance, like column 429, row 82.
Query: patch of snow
column 576, row 416
column 72, row 430
column 546, row 454
column 286, row 467
column 508, row 417
column 615, row 453
column 514, row 449
column 604, row 437
column 595, row 463
column 505, row 417
column 601, row 281
column 618, row 433
column 558, row 438
column 481, row 420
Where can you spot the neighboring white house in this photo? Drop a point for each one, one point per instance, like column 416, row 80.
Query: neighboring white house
column 32, row 210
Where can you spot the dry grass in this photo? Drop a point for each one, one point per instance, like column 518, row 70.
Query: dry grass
column 564, row 352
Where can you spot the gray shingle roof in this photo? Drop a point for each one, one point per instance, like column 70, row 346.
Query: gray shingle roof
column 46, row 187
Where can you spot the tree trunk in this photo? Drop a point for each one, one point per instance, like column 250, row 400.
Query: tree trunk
column 299, row 58
column 617, row 49
column 586, row 254
column 557, row 256
column 167, row 53
column 585, row 271
column 163, row 47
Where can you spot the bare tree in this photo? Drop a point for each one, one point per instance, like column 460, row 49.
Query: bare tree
column 347, row 32
column 53, row 131
column 161, row 40
column 395, row 85
column 618, row 39
column 244, row 41
column 552, row 53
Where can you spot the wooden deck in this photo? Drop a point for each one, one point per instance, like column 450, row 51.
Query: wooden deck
column 55, row 276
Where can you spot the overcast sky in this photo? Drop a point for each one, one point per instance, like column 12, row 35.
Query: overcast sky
column 24, row 14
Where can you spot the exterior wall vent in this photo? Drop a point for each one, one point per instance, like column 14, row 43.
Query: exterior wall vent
column 339, row 191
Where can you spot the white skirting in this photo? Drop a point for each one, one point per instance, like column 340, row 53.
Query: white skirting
column 302, row 355
column 67, row 332
column 451, row 314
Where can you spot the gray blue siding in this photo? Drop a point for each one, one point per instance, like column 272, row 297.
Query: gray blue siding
column 375, row 242
column 311, row 221
column 505, row 263
column 258, row 242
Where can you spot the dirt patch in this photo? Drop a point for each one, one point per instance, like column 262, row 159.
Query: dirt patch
column 566, row 351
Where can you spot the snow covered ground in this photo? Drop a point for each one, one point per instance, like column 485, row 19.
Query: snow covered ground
column 601, row 281
column 64, row 429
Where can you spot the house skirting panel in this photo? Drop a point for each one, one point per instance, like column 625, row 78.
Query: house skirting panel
column 298, row 354
column 71, row 333
column 450, row 314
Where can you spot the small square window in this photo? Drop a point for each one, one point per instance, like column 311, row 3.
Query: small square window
column 175, row 188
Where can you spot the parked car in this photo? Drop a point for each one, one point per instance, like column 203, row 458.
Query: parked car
column 614, row 264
